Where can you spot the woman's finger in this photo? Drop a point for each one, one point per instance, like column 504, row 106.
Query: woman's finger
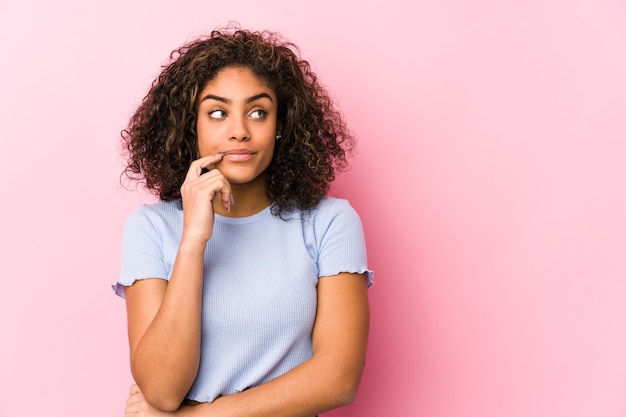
column 195, row 169
column 227, row 198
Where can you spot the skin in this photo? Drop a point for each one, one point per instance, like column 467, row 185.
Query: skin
column 236, row 135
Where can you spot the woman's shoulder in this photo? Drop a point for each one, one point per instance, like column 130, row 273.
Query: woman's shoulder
column 331, row 210
column 159, row 207
column 155, row 212
column 333, row 206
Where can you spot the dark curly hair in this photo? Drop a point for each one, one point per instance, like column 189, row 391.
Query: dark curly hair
column 161, row 141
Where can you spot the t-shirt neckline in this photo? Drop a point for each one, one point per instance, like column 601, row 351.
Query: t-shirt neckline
column 243, row 220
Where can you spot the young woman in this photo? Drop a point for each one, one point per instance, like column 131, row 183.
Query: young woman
column 245, row 285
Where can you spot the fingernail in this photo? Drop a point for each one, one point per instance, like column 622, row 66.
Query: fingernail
column 220, row 154
column 232, row 199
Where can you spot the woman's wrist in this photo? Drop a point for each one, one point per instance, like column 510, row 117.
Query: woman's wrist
column 191, row 245
column 191, row 410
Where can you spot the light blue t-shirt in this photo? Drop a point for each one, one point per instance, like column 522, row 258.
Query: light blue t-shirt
column 260, row 279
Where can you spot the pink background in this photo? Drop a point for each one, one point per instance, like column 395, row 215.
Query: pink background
column 490, row 178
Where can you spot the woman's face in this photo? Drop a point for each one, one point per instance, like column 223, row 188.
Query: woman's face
column 237, row 116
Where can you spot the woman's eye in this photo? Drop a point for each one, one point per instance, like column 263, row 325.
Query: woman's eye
column 217, row 114
column 258, row 114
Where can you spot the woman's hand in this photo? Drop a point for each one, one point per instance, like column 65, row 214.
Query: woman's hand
column 137, row 406
column 198, row 192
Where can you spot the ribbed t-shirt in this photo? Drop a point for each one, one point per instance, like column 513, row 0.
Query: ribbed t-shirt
column 260, row 284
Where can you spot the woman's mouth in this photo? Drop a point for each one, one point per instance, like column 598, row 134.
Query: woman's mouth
column 238, row 155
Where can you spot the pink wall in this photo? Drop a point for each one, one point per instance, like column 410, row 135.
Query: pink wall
column 491, row 181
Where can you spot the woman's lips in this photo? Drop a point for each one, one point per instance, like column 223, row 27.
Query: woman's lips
column 238, row 155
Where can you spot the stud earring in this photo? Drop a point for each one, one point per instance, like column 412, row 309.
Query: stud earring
column 278, row 137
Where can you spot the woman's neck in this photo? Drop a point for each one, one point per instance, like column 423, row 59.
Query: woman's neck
column 248, row 199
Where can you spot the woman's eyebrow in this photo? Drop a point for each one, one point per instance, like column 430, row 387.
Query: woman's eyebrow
column 228, row 101
column 258, row 96
column 213, row 97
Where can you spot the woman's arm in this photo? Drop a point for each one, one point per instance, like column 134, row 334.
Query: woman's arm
column 164, row 331
column 328, row 380
column 164, row 319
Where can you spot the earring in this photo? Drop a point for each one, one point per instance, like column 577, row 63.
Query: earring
column 278, row 137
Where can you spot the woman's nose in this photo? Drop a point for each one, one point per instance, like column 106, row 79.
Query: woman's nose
column 239, row 129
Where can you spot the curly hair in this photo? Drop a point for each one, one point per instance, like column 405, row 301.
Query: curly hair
column 161, row 140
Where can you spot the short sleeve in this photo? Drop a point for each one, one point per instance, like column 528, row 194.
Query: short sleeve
column 142, row 251
column 342, row 241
